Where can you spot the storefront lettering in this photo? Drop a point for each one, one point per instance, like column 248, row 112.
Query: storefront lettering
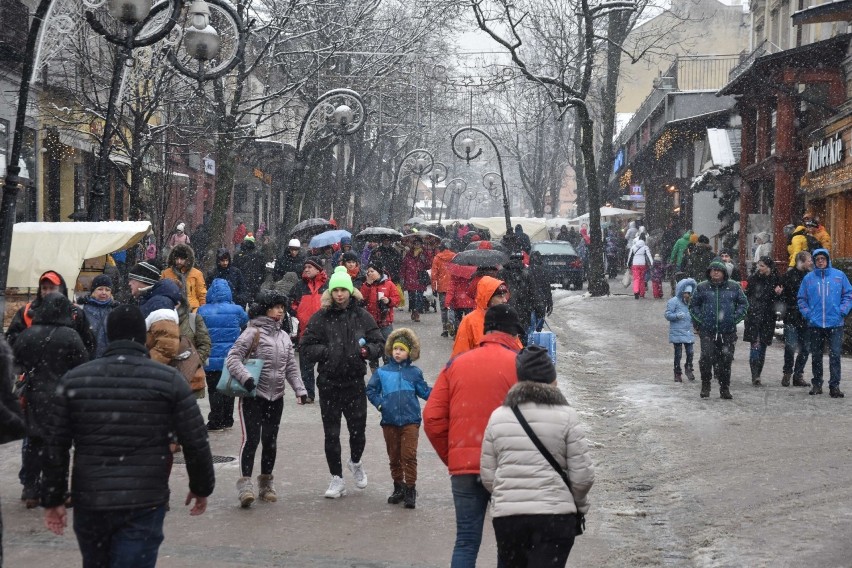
column 827, row 153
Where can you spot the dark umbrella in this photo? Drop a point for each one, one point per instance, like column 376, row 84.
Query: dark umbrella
column 379, row 233
column 480, row 257
column 311, row 227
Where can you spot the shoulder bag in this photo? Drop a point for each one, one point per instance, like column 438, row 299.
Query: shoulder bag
column 230, row 386
column 581, row 518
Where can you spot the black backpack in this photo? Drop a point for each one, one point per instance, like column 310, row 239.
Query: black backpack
column 813, row 243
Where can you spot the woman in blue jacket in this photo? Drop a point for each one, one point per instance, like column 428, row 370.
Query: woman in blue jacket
column 680, row 327
column 225, row 321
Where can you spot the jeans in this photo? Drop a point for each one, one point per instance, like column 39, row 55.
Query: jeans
column 796, row 349
column 119, row 539
column 471, row 501
column 534, row 540
column 678, row 349
column 307, row 371
column 221, row 406
column 348, row 402
column 260, row 419
column 819, row 336
column 756, row 358
column 717, row 355
column 447, row 315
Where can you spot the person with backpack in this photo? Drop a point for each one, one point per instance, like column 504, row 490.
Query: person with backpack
column 801, row 240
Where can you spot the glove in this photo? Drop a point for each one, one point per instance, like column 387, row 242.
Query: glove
column 249, row 385
column 303, row 399
column 364, row 353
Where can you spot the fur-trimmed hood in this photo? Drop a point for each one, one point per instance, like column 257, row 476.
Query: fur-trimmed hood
column 414, row 354
column 537, row 393
column 326, row 302
column 190, row 256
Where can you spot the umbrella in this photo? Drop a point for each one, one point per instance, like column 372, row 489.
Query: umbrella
column 496, row 245
column 311, row 227
column 328, row 238
column 424, row 235
column 611, row 212
column 480, row 257
column 415, row 221
column 379, row 233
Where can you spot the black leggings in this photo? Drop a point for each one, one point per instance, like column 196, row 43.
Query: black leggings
column 534, row 541
column 260, row 419
column 350, row 402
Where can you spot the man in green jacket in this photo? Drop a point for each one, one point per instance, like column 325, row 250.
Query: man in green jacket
column 676, row 258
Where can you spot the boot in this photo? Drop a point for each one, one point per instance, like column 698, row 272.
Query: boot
column 245, row 492
column 689, row 374
column 398, row 494
column 415, row 316
column 678, row 377
column 725, row 392
column 446, row 330
column 785, row 380
column 755, row 381
column 798, row 381
column 833, row 392
column 705, row 388
column 410, row 498
column 30, row 497
column 265, row 489
column 815, row 390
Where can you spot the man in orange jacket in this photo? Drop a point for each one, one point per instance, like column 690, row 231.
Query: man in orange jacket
column 467, row 391
column 489, row 292
column 441, row 284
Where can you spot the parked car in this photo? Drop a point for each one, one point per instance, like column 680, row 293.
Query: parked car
column 562, row 264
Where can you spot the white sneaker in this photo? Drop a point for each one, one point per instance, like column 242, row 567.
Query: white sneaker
column 360, row 475
column 337, row 488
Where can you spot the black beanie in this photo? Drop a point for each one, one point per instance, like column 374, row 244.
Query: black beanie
column 534, row 364
column 377, row 266
column 126, row 322
column 503, row 317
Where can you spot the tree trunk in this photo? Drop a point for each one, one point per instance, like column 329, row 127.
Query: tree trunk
column 582, row 201
column 598, row 284
column 225, row 174
column 617, row 32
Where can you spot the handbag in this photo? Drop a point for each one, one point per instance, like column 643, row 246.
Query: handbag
column 626, row 279
column 581, row 518
column 188, row 362
column 230, row 386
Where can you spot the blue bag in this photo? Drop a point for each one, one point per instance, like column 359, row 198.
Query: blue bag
column 230, row 386
column 546, row 339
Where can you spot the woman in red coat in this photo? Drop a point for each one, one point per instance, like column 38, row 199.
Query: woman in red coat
column 415, row 277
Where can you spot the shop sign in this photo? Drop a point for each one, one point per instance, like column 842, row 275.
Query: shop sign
column 827, row 153
column 210, row 166
column 618, row 163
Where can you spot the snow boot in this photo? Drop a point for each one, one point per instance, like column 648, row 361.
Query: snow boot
column 725, row 392
column 678, row 378
column 755, row 381
column 815, row 389
column 705, row 388
column 29, row 496
column 415, row 316
column 410, row 500
column 689, row 374
column 265, row 489
column 398, row 494
column 245, row 492
column 785, row 380
column 798, row 381
column 835, row 392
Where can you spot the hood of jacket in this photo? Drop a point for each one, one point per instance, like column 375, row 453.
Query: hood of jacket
column 827, row 256
column 685, row 237
column 638, row 243
column 327, row 302
column 266, row 323
column 537, row 393
column 485, row 290
column 446, row 255
column 219, row 292
column 413, row 354
column 681, row 287
column 631, row 225
column 188, row 252
column 164, row 294
column 54, row 309
column 717, row 264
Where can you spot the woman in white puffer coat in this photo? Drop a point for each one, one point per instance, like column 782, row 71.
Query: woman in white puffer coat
column 534, row 512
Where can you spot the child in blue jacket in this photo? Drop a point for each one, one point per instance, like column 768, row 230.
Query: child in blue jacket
column 393, row 390
column 680, row 327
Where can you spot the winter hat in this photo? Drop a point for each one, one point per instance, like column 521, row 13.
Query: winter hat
column 341, row 279
column 294, row 243
column 534, row 364
column 693, row 238
column 475, row 238
column 345, row 241
column 704, row 239
column 180, row 227
column 249, row 237
column 503, row 317
column 377, row 266
column 144, row 272
column 348, row 256
column 405, row 338
column 101, row 280
column 313, row 261
column 266, row 300
column 126, row 322
column 717, row 264
column 687, row 289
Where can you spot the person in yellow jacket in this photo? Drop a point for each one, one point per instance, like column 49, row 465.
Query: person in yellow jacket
column 182, row 270
column 798, row 243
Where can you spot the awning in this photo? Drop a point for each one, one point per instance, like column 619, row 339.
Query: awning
column 838, row 11
column 77, row 140
column 721, row 151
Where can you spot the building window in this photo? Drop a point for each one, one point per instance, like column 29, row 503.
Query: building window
column 773, row 129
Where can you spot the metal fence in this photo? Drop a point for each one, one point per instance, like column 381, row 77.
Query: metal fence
column 702, row 72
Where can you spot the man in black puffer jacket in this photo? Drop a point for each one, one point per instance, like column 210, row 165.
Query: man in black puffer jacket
column 120, row 412
column 524, row 295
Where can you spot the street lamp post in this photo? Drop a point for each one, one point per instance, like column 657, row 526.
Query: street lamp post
column 457, row 186
column 339, row 112
column 436, row 176
column 468, row 149
column 416, row 164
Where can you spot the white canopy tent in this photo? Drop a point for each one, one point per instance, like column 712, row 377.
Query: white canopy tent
column 38, row 247
column 535, row 227
column 610, row 212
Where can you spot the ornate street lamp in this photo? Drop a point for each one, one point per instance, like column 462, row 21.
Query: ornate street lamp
column 469, row 149
column 415, row 165
column 490, row 181
column 436, row 176
column 337, row 113
column 457, row 186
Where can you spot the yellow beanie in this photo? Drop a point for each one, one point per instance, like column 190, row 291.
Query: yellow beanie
column 693, row 238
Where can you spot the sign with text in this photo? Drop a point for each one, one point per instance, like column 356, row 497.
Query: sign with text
column 827, row 152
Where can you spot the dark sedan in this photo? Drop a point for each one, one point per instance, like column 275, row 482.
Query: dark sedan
column 562, row 264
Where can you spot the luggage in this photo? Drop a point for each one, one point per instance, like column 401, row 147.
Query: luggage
column 546, row 339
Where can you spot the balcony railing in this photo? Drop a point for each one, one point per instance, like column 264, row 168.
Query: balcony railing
column 702, row 72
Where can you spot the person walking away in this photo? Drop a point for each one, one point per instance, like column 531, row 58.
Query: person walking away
column 535, row 513
column 253, row 266
column 716, row 308
column 230, row 274
column 441, row 285
column 639, row 261
column 467, row 391
column 239, row 234
column 523, row 293
column 44, row 352
column 97, row 305
column 763, row 291
column 540, row 280
column 658, row 273
column 181, row 269
column 563, row 233
column 699, row 259
column 796, row 341
column 680, row 327
column 415, row 263
column 12, row 427
column 801, row 240
column 393, row 390
column 522, row 239
column 459, row 297
column 489, row 292
column 677, row 256
column 260, row 415
column 341, row 337
column 291, row 261
column 612, row 251
column 120, row 413
column 380, row 298
column 825, row 298
column 194, row 334
column 306, row 300
column 179, row 237
column 225, row 322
